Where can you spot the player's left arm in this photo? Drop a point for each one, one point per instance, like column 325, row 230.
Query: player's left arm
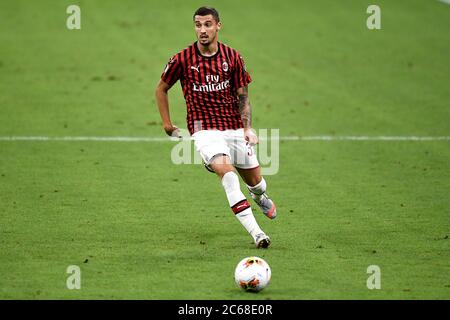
column 245, row 110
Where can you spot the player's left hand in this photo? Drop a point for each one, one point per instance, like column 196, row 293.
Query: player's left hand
column 250, row 136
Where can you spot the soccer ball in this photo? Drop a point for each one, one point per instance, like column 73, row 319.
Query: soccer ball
column 252, row 274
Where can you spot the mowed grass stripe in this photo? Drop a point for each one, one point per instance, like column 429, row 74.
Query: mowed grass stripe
column 282, row 138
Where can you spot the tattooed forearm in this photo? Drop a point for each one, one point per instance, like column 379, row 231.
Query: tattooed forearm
column 245, row 110
column 244, row 107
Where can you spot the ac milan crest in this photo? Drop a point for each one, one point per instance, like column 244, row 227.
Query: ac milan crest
column 225, row 66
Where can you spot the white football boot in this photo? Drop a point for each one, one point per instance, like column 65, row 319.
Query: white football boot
column 262, row 241
column 266, row 205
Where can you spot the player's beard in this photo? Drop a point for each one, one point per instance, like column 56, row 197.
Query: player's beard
column 207, row 41
column 204, row 41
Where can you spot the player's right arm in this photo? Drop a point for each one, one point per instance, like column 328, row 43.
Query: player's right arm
column 162, row 100
column 171, row 74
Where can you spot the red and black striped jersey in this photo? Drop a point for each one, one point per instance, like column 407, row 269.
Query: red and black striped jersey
column 209, row 86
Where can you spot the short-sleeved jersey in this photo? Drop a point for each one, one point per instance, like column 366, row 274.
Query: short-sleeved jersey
column 209, row 86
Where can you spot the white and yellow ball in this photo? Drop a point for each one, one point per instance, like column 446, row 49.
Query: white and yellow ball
column 252, row 274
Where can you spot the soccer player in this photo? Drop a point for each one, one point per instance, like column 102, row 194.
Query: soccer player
column 215, row 82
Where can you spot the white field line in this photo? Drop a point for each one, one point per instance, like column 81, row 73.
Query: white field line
column 282, row 138
column 445, row 1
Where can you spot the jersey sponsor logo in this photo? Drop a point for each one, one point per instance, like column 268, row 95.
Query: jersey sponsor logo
column 195, row 68
column 211, row 87
column 213, row 84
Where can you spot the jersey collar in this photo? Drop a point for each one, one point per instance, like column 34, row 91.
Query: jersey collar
column 207, row 57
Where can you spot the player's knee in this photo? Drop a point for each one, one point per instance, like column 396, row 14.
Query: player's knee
column 221, row 165
column 222, row 170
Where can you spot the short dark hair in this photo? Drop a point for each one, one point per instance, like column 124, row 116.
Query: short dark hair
column 204, row 11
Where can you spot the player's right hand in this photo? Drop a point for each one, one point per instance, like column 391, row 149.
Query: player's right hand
column 172, row 131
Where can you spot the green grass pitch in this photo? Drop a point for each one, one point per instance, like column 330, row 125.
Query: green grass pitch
column 140, row 227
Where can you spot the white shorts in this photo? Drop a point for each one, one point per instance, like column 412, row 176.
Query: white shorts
column 211, row 143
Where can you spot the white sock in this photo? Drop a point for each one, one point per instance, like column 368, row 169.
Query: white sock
column 239, row 203
column 247, row 219
column 259, row 189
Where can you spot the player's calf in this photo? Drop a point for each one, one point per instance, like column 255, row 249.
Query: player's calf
column 241, row 208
